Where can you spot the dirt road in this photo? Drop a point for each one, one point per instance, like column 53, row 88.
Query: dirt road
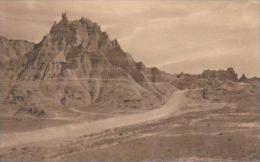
column 173, row 106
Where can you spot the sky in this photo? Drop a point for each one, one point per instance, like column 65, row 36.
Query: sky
column 176, row 36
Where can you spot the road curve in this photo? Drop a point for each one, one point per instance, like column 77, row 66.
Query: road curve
column 173, row 105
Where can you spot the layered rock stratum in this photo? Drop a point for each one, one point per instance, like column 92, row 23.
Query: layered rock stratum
column 10, row 51
column 13, row 49
column 77, row 64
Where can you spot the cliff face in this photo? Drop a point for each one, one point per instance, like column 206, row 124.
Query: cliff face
column 13, row 49
column 77, row 64
column 10, row 51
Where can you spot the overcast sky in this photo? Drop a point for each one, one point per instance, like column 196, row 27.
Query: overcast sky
column 176, row 35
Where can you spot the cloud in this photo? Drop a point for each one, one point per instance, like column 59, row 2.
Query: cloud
column 197, row 65
column 155, row 32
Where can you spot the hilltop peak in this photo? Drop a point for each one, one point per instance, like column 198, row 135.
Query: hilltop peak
column 64, row 16
column 75, row 32
column 82, row 22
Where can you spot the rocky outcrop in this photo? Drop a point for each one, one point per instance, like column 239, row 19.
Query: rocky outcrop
column 208, row 78
column 30, row 111
column 228, row 74
column 243, row 78
column 76, row 64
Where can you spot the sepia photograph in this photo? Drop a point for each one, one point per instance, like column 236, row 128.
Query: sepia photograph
column 129, row 80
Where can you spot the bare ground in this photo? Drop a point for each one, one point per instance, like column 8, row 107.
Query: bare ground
column 201, row 131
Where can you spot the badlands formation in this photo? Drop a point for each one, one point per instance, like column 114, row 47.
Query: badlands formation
column 78, row 96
